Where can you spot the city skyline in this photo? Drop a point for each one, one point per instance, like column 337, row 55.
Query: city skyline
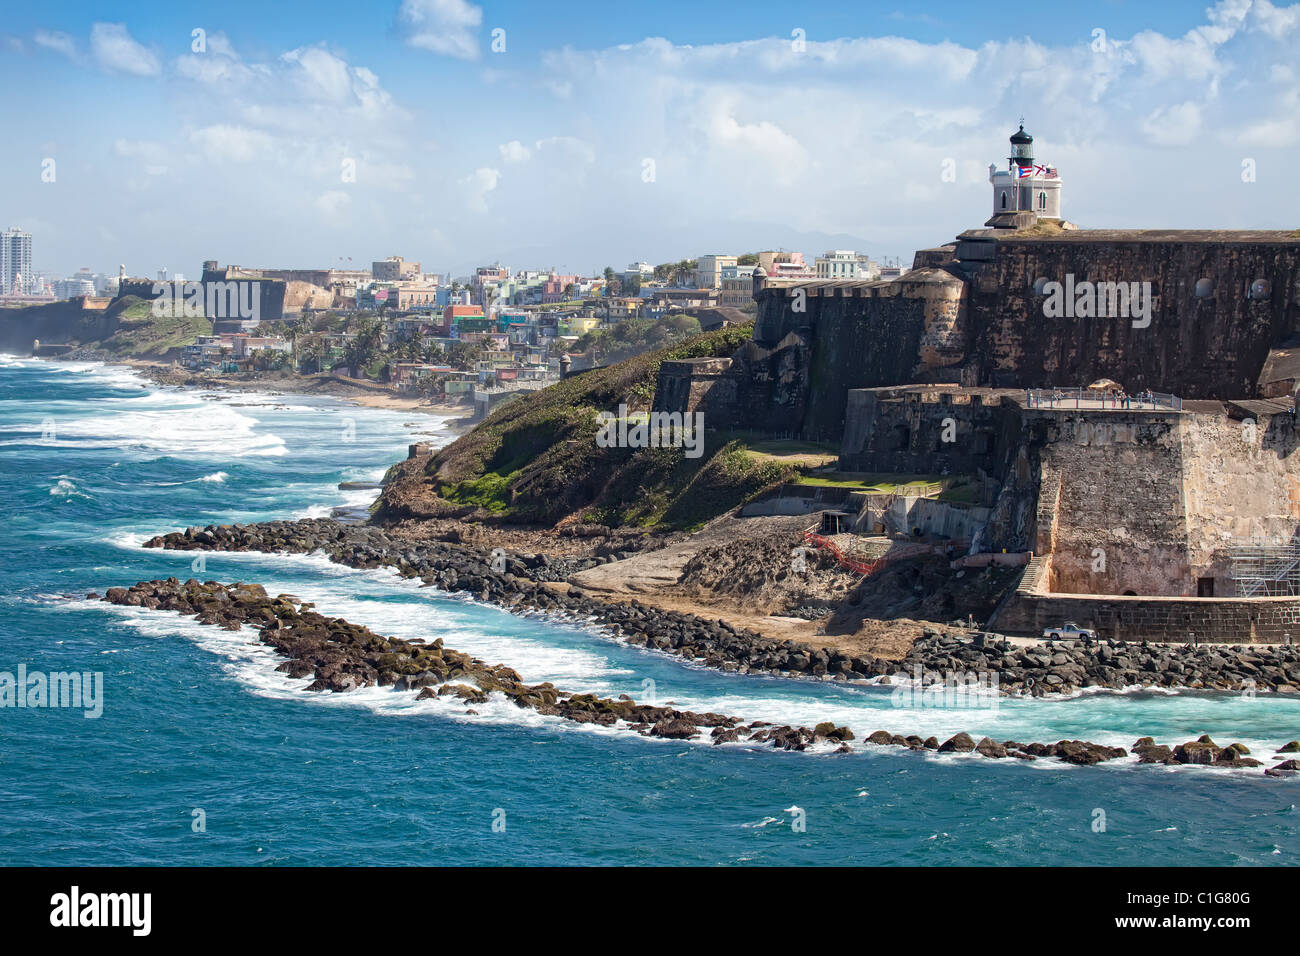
column 306, row 144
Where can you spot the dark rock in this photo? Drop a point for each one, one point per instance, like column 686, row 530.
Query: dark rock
column 960, row 742
column 674, row 729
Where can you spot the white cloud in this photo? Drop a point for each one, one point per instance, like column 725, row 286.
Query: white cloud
column 762, row 147
column 234, row 143
column 334, row 203
column 755, row 144
column 320, row 74
column 219, row 64
column 1278, row 22
column 572, row 149
column 477, row 185
column 57, row 41
column 116, row 51
column 514, row 151
column 1270, row 134
column 448, row 27
column 1174, row 125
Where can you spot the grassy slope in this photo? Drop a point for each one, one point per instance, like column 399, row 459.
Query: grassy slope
column 536, row 459
column 127, row 328
column 141, row 333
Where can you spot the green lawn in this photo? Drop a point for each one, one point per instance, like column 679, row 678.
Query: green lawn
column 883, row 483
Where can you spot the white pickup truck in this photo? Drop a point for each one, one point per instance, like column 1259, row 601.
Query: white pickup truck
column 1069, row 631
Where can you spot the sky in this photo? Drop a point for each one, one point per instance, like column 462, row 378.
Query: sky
column 584, row 134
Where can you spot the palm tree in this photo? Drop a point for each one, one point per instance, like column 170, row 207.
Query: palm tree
column 365, row 345
column 295, row 328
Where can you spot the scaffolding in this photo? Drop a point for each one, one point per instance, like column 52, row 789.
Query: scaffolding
column 1265, row 569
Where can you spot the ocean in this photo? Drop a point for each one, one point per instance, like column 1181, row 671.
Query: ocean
column 205, row 755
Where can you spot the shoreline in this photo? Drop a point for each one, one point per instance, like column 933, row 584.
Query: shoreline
column 356, row 391
column 537, row 583
column 639, row 626
column 521, row 586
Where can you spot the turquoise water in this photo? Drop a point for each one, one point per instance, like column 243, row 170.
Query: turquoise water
column 196, row 718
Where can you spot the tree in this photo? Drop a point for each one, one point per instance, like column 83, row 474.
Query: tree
column 295, row 329
column 311, row 351
column 365, row 346
column 682, row 324
column 569, row 291
column 465, row 355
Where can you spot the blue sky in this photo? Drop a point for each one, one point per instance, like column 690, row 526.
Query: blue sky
column 305, row 134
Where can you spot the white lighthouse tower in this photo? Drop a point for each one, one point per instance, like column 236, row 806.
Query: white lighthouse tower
column 1026, row 191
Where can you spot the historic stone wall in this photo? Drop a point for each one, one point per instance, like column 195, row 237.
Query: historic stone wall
column 698, row 385
column 1119, row 521
column 1211, row 345
column 1242, row 479
column 1232, row 620
column 1150, row 502
column 929, row 431
column 1220, row 302
column 865, row 334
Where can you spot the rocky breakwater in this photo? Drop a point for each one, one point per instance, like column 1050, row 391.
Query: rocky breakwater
column 528, row 582
column 1067, row 666
column 335, row 655
column 1201, row 752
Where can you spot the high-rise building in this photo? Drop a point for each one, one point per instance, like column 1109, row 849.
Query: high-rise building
column 16, row 277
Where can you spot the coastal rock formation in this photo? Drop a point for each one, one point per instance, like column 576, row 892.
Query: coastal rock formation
column 339, row 656
column 342, row 656
column 938, row 660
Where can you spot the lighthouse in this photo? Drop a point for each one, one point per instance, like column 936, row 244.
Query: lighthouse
column 1026, row 191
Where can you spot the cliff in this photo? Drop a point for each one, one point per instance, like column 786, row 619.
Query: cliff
column 127, row 328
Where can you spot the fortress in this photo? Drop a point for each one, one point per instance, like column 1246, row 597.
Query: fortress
column 1177, row 513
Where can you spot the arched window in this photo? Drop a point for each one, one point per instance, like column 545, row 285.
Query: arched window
column 1004, row 200
column 1042, row 200
column 1204, row 288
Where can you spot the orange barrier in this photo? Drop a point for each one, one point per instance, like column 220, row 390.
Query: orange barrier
column 865, row 568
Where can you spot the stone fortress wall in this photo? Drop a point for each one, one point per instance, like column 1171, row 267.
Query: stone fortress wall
column 1121, row 506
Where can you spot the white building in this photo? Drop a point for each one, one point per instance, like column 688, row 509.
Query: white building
column 16, row 275
column 737, row 272
column 83, row 283
column 1024, row 187
column 845, row 264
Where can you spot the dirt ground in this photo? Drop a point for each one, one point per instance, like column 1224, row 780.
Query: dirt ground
column 746, row 571
column 740, row 570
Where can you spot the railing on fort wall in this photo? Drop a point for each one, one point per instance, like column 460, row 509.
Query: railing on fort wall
column 1091, row 398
